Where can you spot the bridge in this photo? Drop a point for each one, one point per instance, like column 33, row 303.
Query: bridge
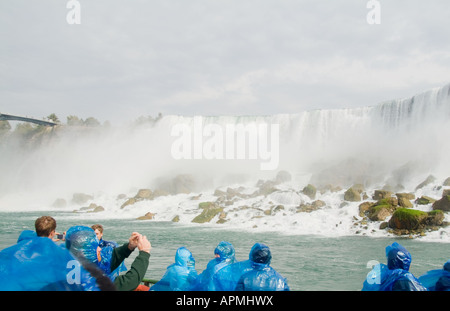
column 7, row 117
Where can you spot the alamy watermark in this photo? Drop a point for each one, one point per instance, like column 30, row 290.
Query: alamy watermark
column 374, row 275
column 374, row 15
column 74, row 275
column 212, row 141
column 74, row 15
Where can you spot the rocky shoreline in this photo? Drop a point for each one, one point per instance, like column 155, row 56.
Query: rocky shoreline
column 395, row 213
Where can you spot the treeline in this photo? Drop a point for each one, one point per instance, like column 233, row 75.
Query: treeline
column 29, row 130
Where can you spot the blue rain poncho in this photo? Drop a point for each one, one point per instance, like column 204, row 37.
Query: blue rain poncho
column 83, row 242
column 437, row 280
column 226, row 256
column 26, row 235
column 254, row 274
column 179, row 276
column 37, row 263
column 394, row 276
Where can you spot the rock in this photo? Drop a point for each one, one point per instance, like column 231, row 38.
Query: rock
column 310, row 191
column 219, row 193
column 130, row 201
column 144, row 194
column 176, row 218
column 183, row 184
column 445, row 192
column 435, row 218
column 59, row 203
column 330, row 188
column 206, row 205
column 389, row 187
column 277, row 208
column 283, row 176
column 408, row 196
column 406, row 218
column 404, row 199
column 391, row 201
column 210, row 210
column 266, row 187
column 426, row 182
column 424, row 200
column 81, row 198
column 404, row 202
column 382, row 209
column 318, row 204
column 446, row 182
column 352, row 195
column 147, row 216
column 379, row 212
column 384, row 225
column 364, row 208
column 98, row 209
column 196, row 197
column 310, row 207
column 443, row 204
column 381, row 194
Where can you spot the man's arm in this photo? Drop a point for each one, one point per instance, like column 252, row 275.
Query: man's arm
column 122, row 252
column 119, row 254
column 130, row 280
column 133, row 277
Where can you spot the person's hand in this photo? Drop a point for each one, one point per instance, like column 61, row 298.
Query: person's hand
column 133, row 241
column 144, row 244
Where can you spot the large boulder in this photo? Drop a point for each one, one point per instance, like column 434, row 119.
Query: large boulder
column 379, row 212
column 382, row 209
column 404, row 199
column 406, row 218
column 424, row 200
column 144, row 194
column 446, row 182
column 147, row 216
column 266, row 187
column 210, row 210
column 381, row 194
column 435, row 218
column 364, row 208
column 353, row 194
column 443, row 204
column 310, row 191
column 283, row 176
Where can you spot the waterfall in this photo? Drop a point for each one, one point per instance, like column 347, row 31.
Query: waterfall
column 115, row 159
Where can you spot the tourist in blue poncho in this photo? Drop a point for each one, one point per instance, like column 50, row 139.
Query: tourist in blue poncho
column 261, row 277
column 394, row 276
column 83, row 242
column 437, row 280
column 37, row 263
column 254, row 274
column 179, row 276
column 224, row 256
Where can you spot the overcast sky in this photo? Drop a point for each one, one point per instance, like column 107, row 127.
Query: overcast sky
column 216, row 57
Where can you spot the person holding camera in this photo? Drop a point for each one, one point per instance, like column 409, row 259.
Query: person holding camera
column 46, row 227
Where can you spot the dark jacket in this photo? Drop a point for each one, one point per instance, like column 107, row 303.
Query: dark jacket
column 133, row 277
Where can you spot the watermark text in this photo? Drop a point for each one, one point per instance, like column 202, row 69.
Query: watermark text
column 212, row 141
